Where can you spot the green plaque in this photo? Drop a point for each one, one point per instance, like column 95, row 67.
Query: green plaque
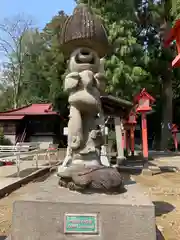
column 80, row 223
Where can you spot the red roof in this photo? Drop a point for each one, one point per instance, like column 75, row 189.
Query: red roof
column 32, row 109
column 174, row 32
column 143, row 93
column 11, row 117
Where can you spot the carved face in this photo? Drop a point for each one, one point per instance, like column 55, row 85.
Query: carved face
column 84, row 59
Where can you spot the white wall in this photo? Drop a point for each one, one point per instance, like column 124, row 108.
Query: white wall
column 11, row 137
column 43, row 140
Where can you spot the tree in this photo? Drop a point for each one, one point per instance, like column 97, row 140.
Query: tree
column 55, row 62
column 44, row 66
column 175, row 7
column 35, row 84
column 125, row 67
column 139, row 59
column 13, row 50
column 5, row 98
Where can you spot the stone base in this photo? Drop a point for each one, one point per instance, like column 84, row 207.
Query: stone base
column 120, row 161
column 127, row 216
column 150, row 171
column 147, row 172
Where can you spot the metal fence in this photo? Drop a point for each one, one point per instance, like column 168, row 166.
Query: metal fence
column 20, row 153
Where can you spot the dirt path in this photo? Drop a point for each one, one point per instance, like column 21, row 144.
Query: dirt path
column 163, row 189
column 6, row 205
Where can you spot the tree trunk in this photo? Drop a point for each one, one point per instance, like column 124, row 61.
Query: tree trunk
column 167, row 110
column 15, row 100
column 167, row 94
column 15, row 105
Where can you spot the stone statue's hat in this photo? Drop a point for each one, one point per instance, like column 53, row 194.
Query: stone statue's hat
column 84, row 29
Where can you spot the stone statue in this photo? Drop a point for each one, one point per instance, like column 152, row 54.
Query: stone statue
column 84, row 42
column 84, row 85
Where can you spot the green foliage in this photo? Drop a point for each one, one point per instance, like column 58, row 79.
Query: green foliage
column 3, row 140
column 176, row 8
column 126, row 67
column 50, row 64
column 6, row 100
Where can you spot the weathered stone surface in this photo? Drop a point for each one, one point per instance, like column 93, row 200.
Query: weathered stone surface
column 84, row 29
column 128, row 216
column 85, row 42
column 96, row 178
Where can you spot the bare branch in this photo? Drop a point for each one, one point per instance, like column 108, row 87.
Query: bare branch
column 12, row 33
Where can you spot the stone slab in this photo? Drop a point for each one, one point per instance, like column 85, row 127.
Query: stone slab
column 9, row 185
column 128, row 216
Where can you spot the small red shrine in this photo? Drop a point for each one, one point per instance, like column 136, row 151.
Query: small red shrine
column 132, row 118
column 31, row 123
column 144, row 101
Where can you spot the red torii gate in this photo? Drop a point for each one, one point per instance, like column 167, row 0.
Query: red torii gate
column 174, row 34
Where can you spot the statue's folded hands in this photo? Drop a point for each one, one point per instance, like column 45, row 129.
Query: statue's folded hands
column 71, row 81
column 100, row 81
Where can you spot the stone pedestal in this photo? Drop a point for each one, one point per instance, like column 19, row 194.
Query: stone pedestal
column 127, row 216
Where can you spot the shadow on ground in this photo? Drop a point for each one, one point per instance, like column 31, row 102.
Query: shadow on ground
column 167, row 169
column 42, row 179
column 155, row 155
column 136, row 167
column 24, row 173
column 159, row 235
column 160, row 154
column 162, row 208
column 127, row 178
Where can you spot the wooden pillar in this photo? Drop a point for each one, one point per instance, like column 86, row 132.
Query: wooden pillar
column 144, row 135
column 132, row 140
column 175, row 141
column 127, row 143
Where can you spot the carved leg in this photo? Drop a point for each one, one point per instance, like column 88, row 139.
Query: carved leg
column 72, row 186
column 67, row 158
column 75, row 131
column 62, row 183
column 103, row 157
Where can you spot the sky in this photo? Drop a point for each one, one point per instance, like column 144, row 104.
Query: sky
column 41, row 11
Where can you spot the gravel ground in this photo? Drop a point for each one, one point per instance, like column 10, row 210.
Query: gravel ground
column 164, row 190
